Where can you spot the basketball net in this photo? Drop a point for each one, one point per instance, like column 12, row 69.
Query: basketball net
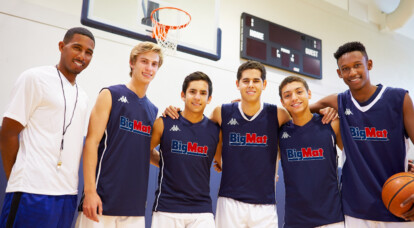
column 167, row 23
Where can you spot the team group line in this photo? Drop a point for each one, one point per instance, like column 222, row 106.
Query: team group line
column 42, row 141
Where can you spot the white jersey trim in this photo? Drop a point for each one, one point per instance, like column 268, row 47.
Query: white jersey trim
column 407, row 149
column 103, row 154
column 367, row 107
column 253, row 117
column 160, row 184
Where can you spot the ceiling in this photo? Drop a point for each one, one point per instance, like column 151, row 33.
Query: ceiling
column 390, row 15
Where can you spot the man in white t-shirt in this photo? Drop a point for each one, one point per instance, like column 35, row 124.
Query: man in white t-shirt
column 42, row 138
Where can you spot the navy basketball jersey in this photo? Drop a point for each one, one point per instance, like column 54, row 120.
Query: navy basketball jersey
column 373, row 135
column 123, row 154
column 186, row 151
column 309, row 162
column 249, row 154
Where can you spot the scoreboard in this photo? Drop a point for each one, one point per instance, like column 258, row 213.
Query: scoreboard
column 280, row 47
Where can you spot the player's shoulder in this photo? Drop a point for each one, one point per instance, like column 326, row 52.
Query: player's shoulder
column 316, row 117
column 282, row 114
column 223, row 109
column 168, row 118
column 227, row 106
column 150, row 104
column 271, row 107
column 268, row 105
column 159, row 124
column 161, row 119
column 40, row 73
column 287, row 126
column 343, row 95
column 211, row 123
column 317, row 121
column 115, row 88
column 391, row 95
column 394, row 90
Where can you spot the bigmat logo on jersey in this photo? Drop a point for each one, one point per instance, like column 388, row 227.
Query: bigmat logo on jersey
column 369, row 134
column 190, row 148
column 249, row 139
column 305, row 154
column 135, row 126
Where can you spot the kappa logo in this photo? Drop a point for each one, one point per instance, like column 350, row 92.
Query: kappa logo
column 233, row 121
column 348, row 112
column 285, row 135
column 123, row 99
column 175, row 128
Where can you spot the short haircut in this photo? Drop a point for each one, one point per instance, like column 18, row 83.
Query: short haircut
column 350, row 47
column 142, row 48
column 77, row 30
column 197, row 76
column 251, row 65
column 290, row 79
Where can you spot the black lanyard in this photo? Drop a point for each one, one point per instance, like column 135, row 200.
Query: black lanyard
column 65, row 128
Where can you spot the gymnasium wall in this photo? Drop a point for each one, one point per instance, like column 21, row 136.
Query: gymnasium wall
column 31, row 29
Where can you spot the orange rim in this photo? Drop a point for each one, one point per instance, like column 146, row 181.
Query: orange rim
column 168, row 27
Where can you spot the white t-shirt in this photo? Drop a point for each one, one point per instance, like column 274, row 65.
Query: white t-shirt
column 37, row 103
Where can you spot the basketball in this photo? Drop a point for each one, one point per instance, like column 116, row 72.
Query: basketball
column 397, row 189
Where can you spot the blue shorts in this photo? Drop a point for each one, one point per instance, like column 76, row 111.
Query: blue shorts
column 33, row 210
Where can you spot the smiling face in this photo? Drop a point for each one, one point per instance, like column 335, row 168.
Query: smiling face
column 295, row 97
column 354, row 70
column 196, row 96
column 76, row 55
column 145, row 67
column 251, row 85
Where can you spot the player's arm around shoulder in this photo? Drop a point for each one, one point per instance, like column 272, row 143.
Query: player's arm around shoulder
column 336, row 127
column 216, row 115
column 282, row 116
column 328, row 101
column 327, row 106
column 157, row 131
column 97, row 125
column 172, row 112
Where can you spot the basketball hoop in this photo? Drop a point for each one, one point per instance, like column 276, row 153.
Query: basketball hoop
column 168, row 35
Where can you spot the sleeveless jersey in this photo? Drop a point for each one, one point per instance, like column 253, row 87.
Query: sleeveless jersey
column 123, row 154
column 249, row 154
column 187, row 151
column 309, row 162
column 373, row 135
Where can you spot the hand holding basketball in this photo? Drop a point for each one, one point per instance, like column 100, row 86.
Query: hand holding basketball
column 411, row 166
column 396, row 190
column 409, row 215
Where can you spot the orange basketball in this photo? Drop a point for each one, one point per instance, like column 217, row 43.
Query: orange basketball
column 396, row 190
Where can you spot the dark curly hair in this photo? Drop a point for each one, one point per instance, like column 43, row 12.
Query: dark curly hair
column 350, row 47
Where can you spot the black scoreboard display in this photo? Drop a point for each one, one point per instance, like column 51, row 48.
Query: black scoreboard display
column 281, row 47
